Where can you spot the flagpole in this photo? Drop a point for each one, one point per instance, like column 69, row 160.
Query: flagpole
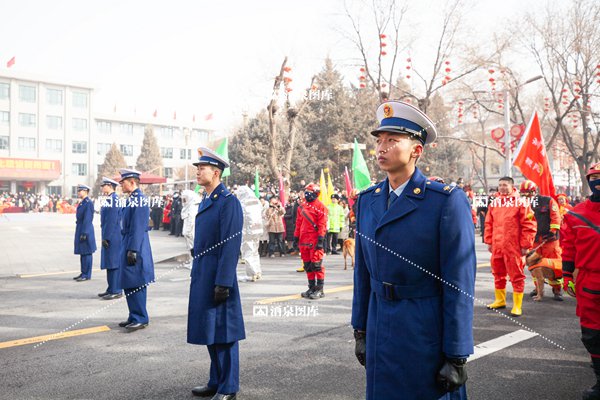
column 507, row 163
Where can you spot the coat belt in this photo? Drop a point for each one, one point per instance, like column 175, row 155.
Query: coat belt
column 390, row 291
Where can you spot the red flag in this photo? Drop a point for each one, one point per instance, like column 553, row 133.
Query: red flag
column 532, row 160
column 10, row 62
column 155, row 113
column 348, row 187
column 208, row 117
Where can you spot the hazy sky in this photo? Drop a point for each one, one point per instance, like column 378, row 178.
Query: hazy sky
column 200, row 57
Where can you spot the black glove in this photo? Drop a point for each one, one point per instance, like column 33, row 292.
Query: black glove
column 221, row 294
column 82, row 238
column 131, row 258
column 105, row 243
column 192, row 252
column 295, row 243
column 360, row 347
column 320, row 243
column 453, row 374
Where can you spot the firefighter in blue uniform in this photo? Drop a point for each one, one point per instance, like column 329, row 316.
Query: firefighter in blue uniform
column 85, row 242
column 110, row 224
column 136, row 264
column 215, row 310
column 414, row 276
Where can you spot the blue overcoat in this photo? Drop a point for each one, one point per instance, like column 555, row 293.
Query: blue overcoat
column 84, row 226
column 134, row 230
column 217, row 242
column 411, row 318
column 110, row 223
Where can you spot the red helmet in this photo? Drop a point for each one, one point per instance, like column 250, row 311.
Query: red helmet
column 594, row 169
column 313, row 187
column 528, row 187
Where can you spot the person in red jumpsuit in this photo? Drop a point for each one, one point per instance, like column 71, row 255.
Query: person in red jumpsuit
column 545, row 262
column 509, row 233
column 309, row 236
column 580, row 241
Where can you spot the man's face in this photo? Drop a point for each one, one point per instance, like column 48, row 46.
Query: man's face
column 562, row 200
column 394, row 151
column 505, row 187
column 106, row 189
column 205, row 175
column 128, row 185
column 82, row 194
column 334, row 200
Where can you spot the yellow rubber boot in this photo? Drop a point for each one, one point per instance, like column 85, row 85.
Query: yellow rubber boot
column 500, row 300
column 517, row 304
column 301, row 269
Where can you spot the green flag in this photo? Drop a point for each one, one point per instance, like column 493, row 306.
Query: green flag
column 362, row 179
column 197, row 189
column 222, row 151
column 256, row 189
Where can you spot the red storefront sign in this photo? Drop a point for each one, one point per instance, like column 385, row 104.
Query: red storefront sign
column 30, row 170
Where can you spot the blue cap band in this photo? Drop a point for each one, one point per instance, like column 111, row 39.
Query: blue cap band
column 403, row 123
column 210, row 161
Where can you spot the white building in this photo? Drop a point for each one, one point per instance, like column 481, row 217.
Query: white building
column 51, row 138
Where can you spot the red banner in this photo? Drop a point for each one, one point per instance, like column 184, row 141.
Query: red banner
column 31, row 170
column 532, row 160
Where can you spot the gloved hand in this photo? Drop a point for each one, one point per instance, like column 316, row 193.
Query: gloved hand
column 105, row 243
column 131, row 258
column 295, row 243
column 83, row 237
column 568, row 283
column 360, row 347
column 320, row 243
column 552, row 235
column 192, row 252
column 453, row 374
column 221, row 294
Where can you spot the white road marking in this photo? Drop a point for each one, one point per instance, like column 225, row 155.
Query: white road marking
column 502, row 342
column 180, row 279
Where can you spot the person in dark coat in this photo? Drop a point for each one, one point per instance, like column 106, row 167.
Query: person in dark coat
column 414, row 275
column 291, row 210
column 110, row 223
column 215, row 311
column 176, row 220
column 137, row 266
column 156, row 213
column 85, row 242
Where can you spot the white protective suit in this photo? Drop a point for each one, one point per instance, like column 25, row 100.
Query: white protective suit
column 191, row 200
column 251, row 232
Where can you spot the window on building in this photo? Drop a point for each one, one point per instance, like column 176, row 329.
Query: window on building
column 74, row 191
column 103, row 126
column 102, row 148
column 166, row 132
column 80, row 100
column 168, row 172
column 80, row 147
column 54, row 97
column 54, row 145
column 182, row 154
column 79, row 169
column 79, row 124
column 166, row 152
column 127, row 149
column 4, row 142
column 26, row 143
column 4, row 91
column 27, row 120
column 54, row 122
column 54, row 190
column 4, row 117
column 189, row 154
column 127, row 129
column 27, row 93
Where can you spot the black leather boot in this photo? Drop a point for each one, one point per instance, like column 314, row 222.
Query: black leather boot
column 318, row 292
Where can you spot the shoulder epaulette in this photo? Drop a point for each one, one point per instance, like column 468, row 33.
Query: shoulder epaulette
column 440, row 187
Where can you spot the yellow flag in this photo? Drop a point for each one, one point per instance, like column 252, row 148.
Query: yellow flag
column 329, row 189
column 323, row 195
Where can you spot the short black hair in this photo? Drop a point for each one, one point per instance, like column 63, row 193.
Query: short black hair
column 507, row 179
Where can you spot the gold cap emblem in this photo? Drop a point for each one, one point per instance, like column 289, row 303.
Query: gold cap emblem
column 388, row 111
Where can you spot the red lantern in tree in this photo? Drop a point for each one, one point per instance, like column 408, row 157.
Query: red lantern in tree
column 362, row 70
column 383, row 44
column 448, row 78
column 447, row 63
column 492, row 80
column 408, row 67
column 448, row 70
column 491, row 71
column 362, row 78
column 408, row 60
column 382, row 36
column 407, row 76
column 383, row 85
column 444, row 82
column 287, row 69
column 383, row 53
column 362, row 85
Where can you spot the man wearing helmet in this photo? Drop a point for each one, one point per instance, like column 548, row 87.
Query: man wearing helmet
column 309, row 236
column 545, row 262
column 580, row 240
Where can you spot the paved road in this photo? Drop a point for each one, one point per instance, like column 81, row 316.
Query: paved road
column 291, row 357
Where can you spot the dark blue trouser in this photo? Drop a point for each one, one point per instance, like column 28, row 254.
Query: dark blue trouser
column 136, row 302
column 113, row 277
column 86, row 265
column 224, row 367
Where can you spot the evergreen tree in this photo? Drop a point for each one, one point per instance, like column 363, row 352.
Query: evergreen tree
column 150, row 159
column 113, row 161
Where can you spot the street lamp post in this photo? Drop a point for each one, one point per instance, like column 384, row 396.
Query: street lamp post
column 186, row 133
column 507, row 161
